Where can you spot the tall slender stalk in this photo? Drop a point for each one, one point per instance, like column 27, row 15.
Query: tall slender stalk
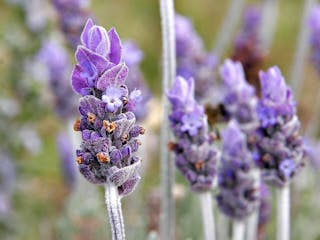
column 207, row 216
column 227, row 27
column 238, row 230
column 301, row 53
column 114, row 211
column 167, row 222
column 283, row 213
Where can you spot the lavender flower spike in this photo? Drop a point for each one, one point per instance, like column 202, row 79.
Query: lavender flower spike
column 280, row 147
column 314, row 25
column 196, row 156
column 239, row 193
column 107, row 124
column 240, row 101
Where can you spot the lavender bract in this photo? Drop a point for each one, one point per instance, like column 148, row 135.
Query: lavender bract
column 280, row 147
column 314, row 25
column 192, row 60
column 239, row 101
column 238, row 196
column 107, row 124
column 132, row 57
column 196, row 155
column 53, row 55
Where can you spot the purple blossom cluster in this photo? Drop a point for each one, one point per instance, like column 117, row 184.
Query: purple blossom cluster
column 314, row 25
column 133, row 56
column 239, row 101
column 196, row 156
column 281, row 149
column 238, row 196
column 56, row 60
column 72, row 17
column 193, row 60
column 248, row 45
column 107, row 124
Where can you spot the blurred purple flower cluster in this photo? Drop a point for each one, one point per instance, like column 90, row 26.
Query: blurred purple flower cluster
column 281, row 149
column 196, row 156
column 193, row 60
column 238, row 195
column 72, row 17
column 107, row 124
column 314, row 25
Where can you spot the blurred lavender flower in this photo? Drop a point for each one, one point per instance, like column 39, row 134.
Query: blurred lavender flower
column 312, row 150
column 281, row 149
column 72, row 18
column 7, row 183
column 107, row 124
column 56, row 60
column 133, row 56
column 67, row 160
column 240, row 101
column 193, row 61
column 314, row 25
column 196, row 155
column 30, row 139
column 248, row 46
column 238, row 196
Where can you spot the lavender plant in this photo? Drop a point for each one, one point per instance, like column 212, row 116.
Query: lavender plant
column 72, row 17
column 107, row 124
column 238, row 197
column 280, row 147
column 193, row 60
column 196, row 155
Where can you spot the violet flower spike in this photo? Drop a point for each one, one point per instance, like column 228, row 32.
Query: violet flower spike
column 195, row 153
column 109, row 133
column 280, row 148
column 239, row 101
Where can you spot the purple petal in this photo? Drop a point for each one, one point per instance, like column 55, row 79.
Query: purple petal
column 78, row 83
column 115, row 46
column 85, row 32
column 115, row 76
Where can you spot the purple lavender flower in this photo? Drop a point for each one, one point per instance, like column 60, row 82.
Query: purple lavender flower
column 248, row 45
column 192, row 60
column 67, row 160
column 281, row 149
column 109, row 133
column 133, row 57
column 195, row 153
column 238, row 196
column 312, row 150
column 314, row 25
column 53, row 55
column 72, row 17
column 240, row 101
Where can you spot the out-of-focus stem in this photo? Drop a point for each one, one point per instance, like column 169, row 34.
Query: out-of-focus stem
column 238, row 230
column 301, row 52
column 114, row 211
column 207, row 216
column 268, row 22
column 283, row 213
column 230, row 21
column 252, row 222
column 167, row 222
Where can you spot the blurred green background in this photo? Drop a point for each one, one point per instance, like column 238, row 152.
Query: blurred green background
column 39, row 202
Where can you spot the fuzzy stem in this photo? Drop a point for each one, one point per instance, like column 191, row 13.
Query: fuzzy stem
column 238, row 230
column 227, row 27
column 252, row 221
column 207, row 216
column 301, row 53
column 268, row 22
column 167, row 222
column 283, row 213
column 114, row 211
